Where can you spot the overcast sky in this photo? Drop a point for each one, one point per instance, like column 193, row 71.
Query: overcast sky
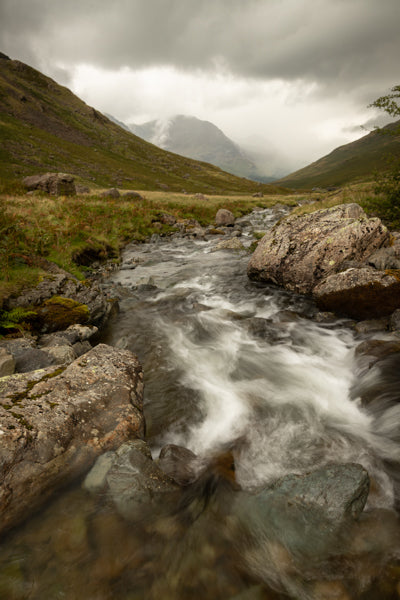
column 293, row 77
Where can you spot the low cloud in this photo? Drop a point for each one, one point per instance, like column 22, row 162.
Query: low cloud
column 296, row 74
column 340, row 43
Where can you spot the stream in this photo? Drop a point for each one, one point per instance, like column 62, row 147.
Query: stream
column 230, row 365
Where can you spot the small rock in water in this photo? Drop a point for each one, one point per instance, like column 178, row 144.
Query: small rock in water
column 231, row 244
column 7, row 363
column 179, row 463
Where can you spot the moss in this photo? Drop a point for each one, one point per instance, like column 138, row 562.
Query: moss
column 22, row 420
column 19, row 396
column 59, row 313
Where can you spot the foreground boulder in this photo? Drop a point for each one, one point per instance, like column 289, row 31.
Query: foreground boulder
column 303, row 250
column 360, row 293
column 56, row 184
column 60, row 300
column 55, row 422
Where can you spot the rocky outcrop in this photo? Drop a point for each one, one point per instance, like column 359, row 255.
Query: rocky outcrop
column 31, row 353
column 56, row 184
column 60, row 300
column 301, row 251
column 347, row 261
column 362, row 293
column 56, row 421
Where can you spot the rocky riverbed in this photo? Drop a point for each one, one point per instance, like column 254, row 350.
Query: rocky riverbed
column 272, row 456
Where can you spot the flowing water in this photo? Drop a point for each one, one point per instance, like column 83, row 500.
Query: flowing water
column 229, row 364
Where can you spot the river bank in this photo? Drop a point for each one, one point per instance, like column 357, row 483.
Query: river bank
column 245, row 368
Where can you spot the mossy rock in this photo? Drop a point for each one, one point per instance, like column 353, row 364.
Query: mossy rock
column 59, row 313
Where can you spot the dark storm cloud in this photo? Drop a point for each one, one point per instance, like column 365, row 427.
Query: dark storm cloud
column 337, row 43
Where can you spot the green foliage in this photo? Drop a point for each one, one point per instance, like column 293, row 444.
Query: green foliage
column 389, row 103
column 15, row 319
column 386, row 201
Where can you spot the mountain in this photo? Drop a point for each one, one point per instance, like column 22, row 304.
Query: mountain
column 198, row 139
column 45, row 127
column 351, row 162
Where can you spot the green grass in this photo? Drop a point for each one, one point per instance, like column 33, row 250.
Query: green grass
column 61, row 229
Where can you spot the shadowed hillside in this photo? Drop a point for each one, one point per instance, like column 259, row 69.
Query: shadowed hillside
column 355, row 161
column 45, row 127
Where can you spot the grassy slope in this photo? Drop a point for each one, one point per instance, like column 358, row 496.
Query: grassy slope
column 351, row 162
column 44, row 127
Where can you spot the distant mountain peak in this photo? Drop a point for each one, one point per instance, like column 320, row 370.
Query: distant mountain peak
column 198, row 139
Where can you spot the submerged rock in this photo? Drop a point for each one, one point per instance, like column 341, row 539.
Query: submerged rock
column 135, row 482
column 56, row 421
column 303, row 250
column 179, row 463
column 307, row 513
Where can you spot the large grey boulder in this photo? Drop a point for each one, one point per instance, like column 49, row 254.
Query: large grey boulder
column 55, row 422
column 362, row 293
column 56, row 184
column 301, row 251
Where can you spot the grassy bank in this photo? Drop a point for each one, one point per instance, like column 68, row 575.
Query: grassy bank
column 71, row 230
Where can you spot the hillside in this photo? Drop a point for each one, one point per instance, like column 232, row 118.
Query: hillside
column 351, row 162
column 197, row 139
column 45, row 127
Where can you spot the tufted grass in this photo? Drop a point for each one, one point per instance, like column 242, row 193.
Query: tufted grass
column 33, row 227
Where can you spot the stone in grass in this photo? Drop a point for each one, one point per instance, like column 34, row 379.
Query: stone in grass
column 224, row 217
column 56, row 184
column 111, row 193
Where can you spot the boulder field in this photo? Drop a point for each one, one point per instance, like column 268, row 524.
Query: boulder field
column 345, row 260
